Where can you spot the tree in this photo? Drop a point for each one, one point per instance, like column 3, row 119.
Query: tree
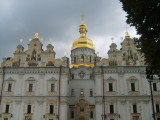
column 145, row 16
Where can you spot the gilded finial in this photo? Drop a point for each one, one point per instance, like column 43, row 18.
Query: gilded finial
column 36, row 35
column 21, row 40
column 112, row 39
column 82, row 16
column 29, row 39
column 65, row 54
column 127, row 34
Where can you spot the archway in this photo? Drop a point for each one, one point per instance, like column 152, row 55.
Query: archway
column 81, row 118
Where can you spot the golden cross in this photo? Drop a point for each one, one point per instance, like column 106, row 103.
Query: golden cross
column 82, row 16
column 36, row 35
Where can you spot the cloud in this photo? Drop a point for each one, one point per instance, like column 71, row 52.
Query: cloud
column 60, row 19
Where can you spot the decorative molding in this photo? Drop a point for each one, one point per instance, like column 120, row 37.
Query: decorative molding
column 18, row 102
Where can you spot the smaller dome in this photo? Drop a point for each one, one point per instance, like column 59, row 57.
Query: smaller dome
column 113, row 45
column 50, row 46
column 20, row 46
column 83, row 41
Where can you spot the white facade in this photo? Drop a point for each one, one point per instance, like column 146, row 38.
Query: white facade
column 36, row 86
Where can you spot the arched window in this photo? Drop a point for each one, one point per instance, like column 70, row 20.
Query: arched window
column 90, row 59
column 72, row 114
column 75, row 59
column 82, row 58
column 91, row 114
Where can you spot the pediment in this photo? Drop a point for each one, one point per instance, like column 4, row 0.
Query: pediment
column 31, row 79
column 10, row 79
column 52, row 79
column 132, row 78
column 110, row 79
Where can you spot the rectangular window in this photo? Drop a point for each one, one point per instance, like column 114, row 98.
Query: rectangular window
column 51, row 109
column 52, row 87
column 9, row 87
column 29, row 109
column 132, row 86
column 154, row 87
column 72, row 92
column 72, row 76
column 72, row 114
column 7, row 109
column 30, row 87
column 91, row 92
column 91, row 114
column 110, row 87
column 157, row 108
column 91, row 76
column 134, row 108
column 111, row 109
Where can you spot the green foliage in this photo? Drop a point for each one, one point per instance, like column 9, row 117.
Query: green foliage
column 145, row 16
column 137, row 43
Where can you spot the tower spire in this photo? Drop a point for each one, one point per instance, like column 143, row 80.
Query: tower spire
column 126, row 33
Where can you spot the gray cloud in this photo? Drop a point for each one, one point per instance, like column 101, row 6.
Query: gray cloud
column 60, row 19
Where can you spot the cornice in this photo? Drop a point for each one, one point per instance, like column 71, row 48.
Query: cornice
column 34, row 70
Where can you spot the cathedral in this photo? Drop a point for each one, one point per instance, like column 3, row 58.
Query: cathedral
column 35, row 85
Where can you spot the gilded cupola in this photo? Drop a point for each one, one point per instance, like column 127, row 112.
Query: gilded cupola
column 83, row 41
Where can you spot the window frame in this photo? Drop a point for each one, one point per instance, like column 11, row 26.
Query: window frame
column 110, row 87
column 51, row 109
column 30, row 89
column 134, row 107
column 154, row 85
column 9, row 87
column 111, row 109
column 29, row 109
column 52, row 87
column 7, row 108
column 133, row 87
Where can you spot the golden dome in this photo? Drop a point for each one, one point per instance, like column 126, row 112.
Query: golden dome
column 83, row 41
column 127, row 35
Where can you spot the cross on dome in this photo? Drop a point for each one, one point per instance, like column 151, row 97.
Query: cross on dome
column 36, row 35
column 82, row 16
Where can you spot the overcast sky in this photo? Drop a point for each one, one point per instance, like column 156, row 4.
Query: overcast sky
column 59, row 20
